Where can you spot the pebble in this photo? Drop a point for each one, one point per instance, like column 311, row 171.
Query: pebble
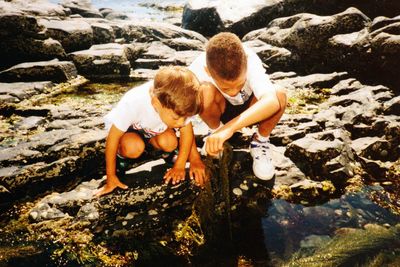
column 237, row 191
column 153, row 212
column 34, row 215
column 244, row 187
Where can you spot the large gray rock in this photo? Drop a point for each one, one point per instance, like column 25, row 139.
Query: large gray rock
column 54, row 70
column 157, row 31
column 325, row 155
column 160, row 54
column 83, row 8
column 17, row 50
column 385, row 46
column 275, row 58
column 20, row 91
column 211, row 17
column 323, row 43
column 72, row 34
column 35, row 8
column 14, row 24
column 110, row 14
column 307, row 32
column 374, row 148
column 106, row 62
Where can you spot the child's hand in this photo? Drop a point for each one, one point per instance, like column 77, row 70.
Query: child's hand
column 198, row 172
column 112, row 183
column 215, row 142
column 175, row 174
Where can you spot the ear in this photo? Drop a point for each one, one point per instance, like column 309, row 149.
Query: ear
column 156, row 103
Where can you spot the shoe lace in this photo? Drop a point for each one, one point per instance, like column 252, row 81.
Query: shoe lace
column 260, row 149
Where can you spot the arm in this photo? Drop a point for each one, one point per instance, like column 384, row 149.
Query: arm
column 210, row 106
column 112, row 144
column 197, row 168
column 264, row 108
column 177, row 172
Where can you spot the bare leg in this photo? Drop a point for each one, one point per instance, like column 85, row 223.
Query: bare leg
column 131, row 145
column 266, row 126
column 213, row 105
column 167, row 141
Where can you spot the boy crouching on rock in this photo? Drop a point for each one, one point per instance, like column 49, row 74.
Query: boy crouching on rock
column 239, row 94
column 148, row 114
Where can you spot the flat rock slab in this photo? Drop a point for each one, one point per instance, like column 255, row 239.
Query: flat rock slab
column 54, row 70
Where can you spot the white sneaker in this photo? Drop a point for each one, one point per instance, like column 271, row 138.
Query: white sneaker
column 262, row 162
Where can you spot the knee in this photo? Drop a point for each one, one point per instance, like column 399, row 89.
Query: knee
column 282, row 97
column 131, row 147
column 168, row 142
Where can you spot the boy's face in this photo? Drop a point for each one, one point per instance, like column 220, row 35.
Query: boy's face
column 169, row 117
column 231, row 88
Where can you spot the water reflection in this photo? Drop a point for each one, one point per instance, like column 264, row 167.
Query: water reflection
column 290, row 227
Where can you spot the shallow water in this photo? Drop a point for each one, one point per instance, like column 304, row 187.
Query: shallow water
column 289, row 227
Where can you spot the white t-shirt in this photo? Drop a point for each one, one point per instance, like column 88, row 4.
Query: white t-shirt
column 135, row 109
column 257, row 81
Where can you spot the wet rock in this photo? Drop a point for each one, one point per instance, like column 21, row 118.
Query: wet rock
column 45, row 212
column 89, row 212
column 314, row 241
column 28, row 177
column 137, row 211
column 74, row 35
column 54, row 70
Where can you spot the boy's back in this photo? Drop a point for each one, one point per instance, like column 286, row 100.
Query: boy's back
column 135, row 110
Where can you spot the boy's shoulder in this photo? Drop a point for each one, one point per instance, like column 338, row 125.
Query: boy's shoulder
column 137, row 92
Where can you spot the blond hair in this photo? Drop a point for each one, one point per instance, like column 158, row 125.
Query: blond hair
column 225, row 56
column 177, row 88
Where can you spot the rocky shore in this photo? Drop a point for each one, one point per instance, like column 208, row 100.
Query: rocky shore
column 64, row 65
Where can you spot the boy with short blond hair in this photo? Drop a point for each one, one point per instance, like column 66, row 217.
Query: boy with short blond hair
column 149, row 113
column 239, row 94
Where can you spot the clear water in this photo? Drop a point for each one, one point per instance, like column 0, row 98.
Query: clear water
column 288, row 227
